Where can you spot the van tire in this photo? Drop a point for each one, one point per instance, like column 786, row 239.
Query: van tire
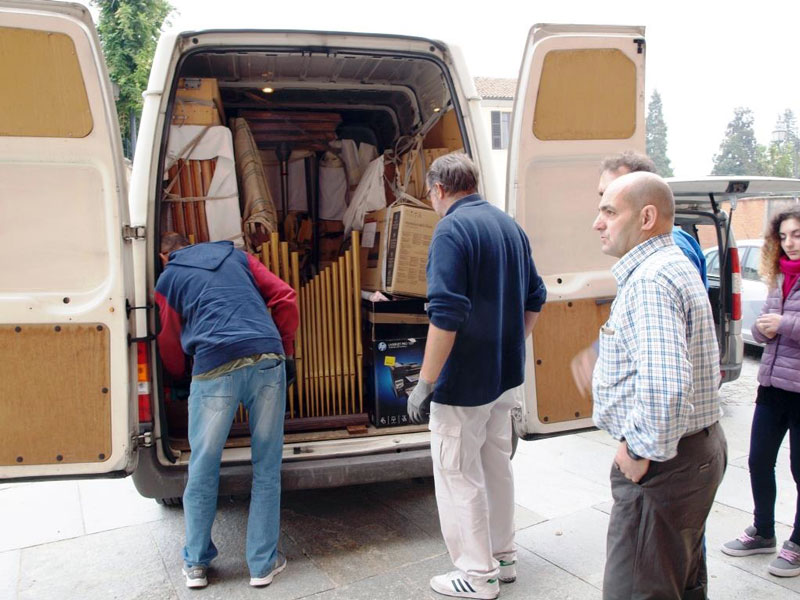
column 170, row 501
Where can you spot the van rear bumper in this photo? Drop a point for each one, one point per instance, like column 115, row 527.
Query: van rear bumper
column 154, row 480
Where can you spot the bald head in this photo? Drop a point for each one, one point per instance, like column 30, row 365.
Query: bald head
column 634, row 207
column 642, row 189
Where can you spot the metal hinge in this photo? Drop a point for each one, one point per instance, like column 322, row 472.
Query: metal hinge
column 144, row 440
column 130, row 232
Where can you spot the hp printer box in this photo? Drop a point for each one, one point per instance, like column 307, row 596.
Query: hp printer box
column 392, row 372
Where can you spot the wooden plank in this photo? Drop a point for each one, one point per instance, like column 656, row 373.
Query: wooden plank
column 270, row 115
column 563, row 330
column 303, row 127
column 274, row 249
column 357, row 312
column 337, row 334
column 178, row 220
column 197, row 184
column 343, row 295
column 351, row 334
column 207, row 173
column 298, row 341
column 187, row 190
column 326, row 339
column 55, row 382
column 320, row 379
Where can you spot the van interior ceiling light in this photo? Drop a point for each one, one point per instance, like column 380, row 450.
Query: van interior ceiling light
column 436, row 109
column 267, row 90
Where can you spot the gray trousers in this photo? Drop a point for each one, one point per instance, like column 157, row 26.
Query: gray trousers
column 655, row 547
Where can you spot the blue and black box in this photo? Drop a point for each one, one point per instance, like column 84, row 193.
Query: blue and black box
column 394, row 345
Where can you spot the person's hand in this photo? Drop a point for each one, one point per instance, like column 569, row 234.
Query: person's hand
column 582, row 366
column 291, row 370
column 632, row 469
column 768, row 324
column 419, row 402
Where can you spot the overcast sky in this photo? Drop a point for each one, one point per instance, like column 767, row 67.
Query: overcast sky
column 705, row 57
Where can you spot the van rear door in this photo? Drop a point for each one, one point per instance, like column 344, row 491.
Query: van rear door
column 580, row 97
column 65, row 369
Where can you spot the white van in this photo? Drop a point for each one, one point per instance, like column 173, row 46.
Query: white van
column 81, row 390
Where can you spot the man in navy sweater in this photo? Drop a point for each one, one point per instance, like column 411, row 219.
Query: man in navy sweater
column 213, row 304
column 484, row 298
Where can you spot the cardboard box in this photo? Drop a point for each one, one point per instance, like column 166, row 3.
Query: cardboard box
column 197, row 102
column 394, row 319
column 372, row 236
column 394, row 344
column 394, row 249
column 392, row 372
column 445, row 133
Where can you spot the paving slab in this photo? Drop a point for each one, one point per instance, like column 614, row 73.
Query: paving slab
column 735, row 491
column 351, row 536
column 123, row 563
column 727, row 582
column 9, row 573
column 229, row 576
column 537, row 579
column 575, row 543
column 552, row 492
column 112, row 503
column 39, row 513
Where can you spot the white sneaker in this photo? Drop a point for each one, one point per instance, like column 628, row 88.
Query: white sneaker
column 457, row 584
column 196, row 576
column 508, row 571
column 280, row 565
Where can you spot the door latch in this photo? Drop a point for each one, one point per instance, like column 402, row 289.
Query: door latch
column 133, row 232
column 144, row 440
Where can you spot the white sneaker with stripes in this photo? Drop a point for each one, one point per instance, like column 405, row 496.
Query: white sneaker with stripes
column 458, row 585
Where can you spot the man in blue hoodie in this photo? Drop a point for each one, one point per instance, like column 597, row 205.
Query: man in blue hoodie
column 238, row 320
column 484, row 298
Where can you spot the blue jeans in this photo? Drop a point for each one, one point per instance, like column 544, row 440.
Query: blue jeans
column 212, row 405
column 776, row 413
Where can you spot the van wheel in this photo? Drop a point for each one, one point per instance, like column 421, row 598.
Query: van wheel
column 170, row 501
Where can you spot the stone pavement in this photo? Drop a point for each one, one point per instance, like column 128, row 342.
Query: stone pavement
column 100, row 540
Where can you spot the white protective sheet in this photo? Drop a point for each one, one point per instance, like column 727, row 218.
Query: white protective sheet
column 332, row 188
column 298, row 200
column 222, row 205
column 370, row 195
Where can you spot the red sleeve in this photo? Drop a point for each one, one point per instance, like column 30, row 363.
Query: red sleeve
column 281, row 300
column 169, row 338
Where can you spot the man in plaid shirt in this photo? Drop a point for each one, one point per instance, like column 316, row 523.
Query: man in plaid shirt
column 655, row 389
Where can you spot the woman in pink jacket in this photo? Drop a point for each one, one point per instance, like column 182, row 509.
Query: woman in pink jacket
column 778, row 400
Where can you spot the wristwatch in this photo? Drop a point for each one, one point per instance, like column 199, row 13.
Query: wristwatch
column 633, row 454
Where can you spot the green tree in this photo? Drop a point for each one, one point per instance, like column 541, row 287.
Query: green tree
column 739, row 152
column 783, row 152
column 129, row 30
column 656, row 136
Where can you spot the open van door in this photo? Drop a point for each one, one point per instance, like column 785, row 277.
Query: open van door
column 65, row 366
column 580, row 97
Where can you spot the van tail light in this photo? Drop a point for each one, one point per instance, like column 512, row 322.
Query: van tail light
column 736, row 284
column 143, row 382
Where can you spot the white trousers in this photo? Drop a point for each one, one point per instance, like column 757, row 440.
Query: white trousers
column 471, row 451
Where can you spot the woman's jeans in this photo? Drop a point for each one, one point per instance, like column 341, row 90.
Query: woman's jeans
column 261, row 387
column 771, row 421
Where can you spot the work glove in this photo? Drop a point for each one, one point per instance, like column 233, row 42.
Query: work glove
column 419, row 402
column 291, row 370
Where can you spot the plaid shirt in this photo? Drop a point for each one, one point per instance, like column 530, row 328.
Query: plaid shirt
column 657, row 374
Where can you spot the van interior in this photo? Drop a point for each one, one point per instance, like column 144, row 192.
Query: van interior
column 305, row 127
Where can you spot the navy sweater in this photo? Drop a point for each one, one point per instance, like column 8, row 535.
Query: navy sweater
column 213, row 302
column 481, row 280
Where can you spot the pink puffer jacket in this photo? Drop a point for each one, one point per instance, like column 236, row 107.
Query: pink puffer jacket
column 780, row 362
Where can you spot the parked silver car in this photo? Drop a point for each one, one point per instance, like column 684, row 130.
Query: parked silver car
column 754, row 290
